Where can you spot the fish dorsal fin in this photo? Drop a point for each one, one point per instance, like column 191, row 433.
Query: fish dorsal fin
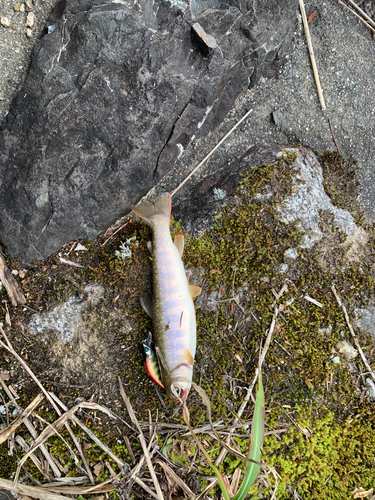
column 161, row 208
column 189, row 357
column 194, row 290
column 146, row 303
column 179, row 242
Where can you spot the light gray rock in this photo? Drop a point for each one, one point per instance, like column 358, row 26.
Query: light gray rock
column 309, row 198
column 365, row 319
column 66, row 319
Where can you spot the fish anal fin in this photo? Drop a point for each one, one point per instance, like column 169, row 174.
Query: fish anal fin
column 194, row 290
column 146, row 303
column 179, row 242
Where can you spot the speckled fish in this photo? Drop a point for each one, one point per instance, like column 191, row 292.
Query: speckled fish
column 171, row 307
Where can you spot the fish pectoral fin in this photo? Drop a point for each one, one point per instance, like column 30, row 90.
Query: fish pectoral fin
column 189, row 357
column 194, row 290
column 179, row 242
column 146, row 303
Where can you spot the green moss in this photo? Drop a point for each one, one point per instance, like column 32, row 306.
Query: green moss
column 241, row 259
column 330, row 461
column 8, row 463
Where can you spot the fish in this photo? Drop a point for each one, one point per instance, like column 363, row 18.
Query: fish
column 171, row 306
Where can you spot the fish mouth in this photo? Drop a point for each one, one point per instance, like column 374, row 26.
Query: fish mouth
column 180, row 394
column 179, row 389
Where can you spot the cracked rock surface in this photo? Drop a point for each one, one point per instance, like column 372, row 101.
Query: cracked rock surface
column 114, row 94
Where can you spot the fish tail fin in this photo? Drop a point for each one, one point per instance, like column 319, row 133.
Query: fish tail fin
column 159, row 209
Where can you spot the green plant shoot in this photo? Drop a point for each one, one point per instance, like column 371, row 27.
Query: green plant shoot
column 254, row 454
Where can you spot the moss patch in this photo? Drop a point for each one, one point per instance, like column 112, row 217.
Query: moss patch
column 243, row 264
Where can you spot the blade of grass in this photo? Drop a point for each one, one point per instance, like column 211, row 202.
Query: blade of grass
column 257, row 437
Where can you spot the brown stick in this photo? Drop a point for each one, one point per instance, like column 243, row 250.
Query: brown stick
column 21, row 418
column 312, row 57
column 31, row 491
column 223, row 452
column 11, row 286
column 333, row 136
column 211, row 152
column 365, row 362
column 176, row 479
column 368, row 19
column 142, row 440
column 33, row 432
column 359, row 17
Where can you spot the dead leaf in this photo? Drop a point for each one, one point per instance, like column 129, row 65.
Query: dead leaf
column 97, row 469
column 26, row 357
column 5, row 375
column 86, row 446
column 311, row 17
column 361, row 493
column 215, row 271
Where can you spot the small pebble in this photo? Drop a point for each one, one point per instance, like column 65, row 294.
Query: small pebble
column 335, row 359
column 80, row 248
column 5, row 21
column 17, row 6
column 30, row 19
column 371, row 387
column 29, row 5
column 347, row 350
column 14, row 272
column 29, row 33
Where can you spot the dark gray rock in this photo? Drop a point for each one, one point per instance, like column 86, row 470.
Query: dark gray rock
column 278, row 117
column 114, row 93
column 197, row 210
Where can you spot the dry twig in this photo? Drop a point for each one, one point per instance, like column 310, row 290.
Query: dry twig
column 11, row 286
column 177, row 479
column 142, row 440
column 4, row 434
column 33, row 433
column 365, row 362
column 334, row 138
column 372, row 28
column 211, row 152
column 312, row 57
column 224, row 451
